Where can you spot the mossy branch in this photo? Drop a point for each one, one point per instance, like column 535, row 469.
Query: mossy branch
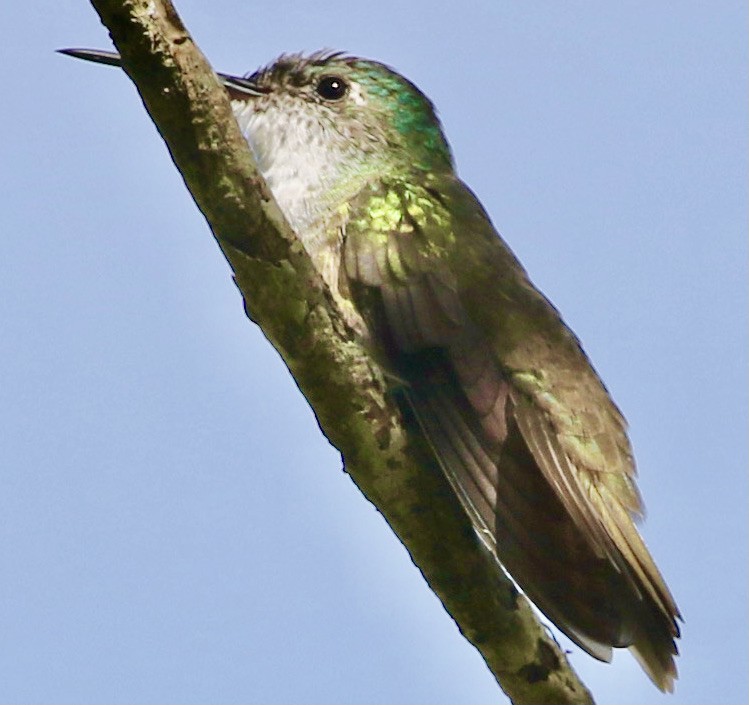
column 288, row 299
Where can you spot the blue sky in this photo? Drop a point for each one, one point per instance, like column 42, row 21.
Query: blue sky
column 173, row 526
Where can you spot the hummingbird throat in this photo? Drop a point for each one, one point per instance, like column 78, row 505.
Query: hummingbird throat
column 309, row 169
column 311, row 176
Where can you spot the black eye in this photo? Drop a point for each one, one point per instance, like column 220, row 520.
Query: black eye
column 332, row 87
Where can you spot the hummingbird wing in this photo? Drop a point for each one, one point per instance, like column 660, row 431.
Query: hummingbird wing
column 520, row 422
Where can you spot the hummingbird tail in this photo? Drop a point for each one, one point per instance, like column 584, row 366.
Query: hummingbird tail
column 654, row 649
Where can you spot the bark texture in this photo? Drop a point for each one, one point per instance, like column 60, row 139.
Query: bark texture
column 287, row 298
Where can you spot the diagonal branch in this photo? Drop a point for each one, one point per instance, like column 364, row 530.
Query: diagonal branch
column 288, row 299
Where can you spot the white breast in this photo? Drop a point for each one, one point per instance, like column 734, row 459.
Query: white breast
column 303, row 166
column 298, row 161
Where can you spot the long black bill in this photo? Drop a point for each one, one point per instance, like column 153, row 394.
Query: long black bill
column 235, row 84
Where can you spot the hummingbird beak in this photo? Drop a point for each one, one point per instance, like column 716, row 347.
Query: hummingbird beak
column 237, row 86
column 97, row 56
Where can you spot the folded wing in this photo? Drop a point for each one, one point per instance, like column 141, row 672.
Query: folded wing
column 520, row 423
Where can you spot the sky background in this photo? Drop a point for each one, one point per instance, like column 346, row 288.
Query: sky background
column 174, row 527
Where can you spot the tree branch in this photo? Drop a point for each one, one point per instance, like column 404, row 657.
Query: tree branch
column 384, row 454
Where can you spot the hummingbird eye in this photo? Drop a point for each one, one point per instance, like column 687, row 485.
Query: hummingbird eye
column 332, row 88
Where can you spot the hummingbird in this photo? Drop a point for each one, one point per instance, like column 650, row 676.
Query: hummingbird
column 519, row 421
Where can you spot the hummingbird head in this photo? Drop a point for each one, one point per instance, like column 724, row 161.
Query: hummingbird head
column 321, row 125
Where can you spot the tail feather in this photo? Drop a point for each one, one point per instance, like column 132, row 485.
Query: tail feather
column 513, row 507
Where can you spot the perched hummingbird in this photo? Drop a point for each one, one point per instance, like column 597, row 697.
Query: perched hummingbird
column 522, row 426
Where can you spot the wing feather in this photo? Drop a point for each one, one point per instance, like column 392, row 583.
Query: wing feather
column 557, row 469
column 520, row 423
